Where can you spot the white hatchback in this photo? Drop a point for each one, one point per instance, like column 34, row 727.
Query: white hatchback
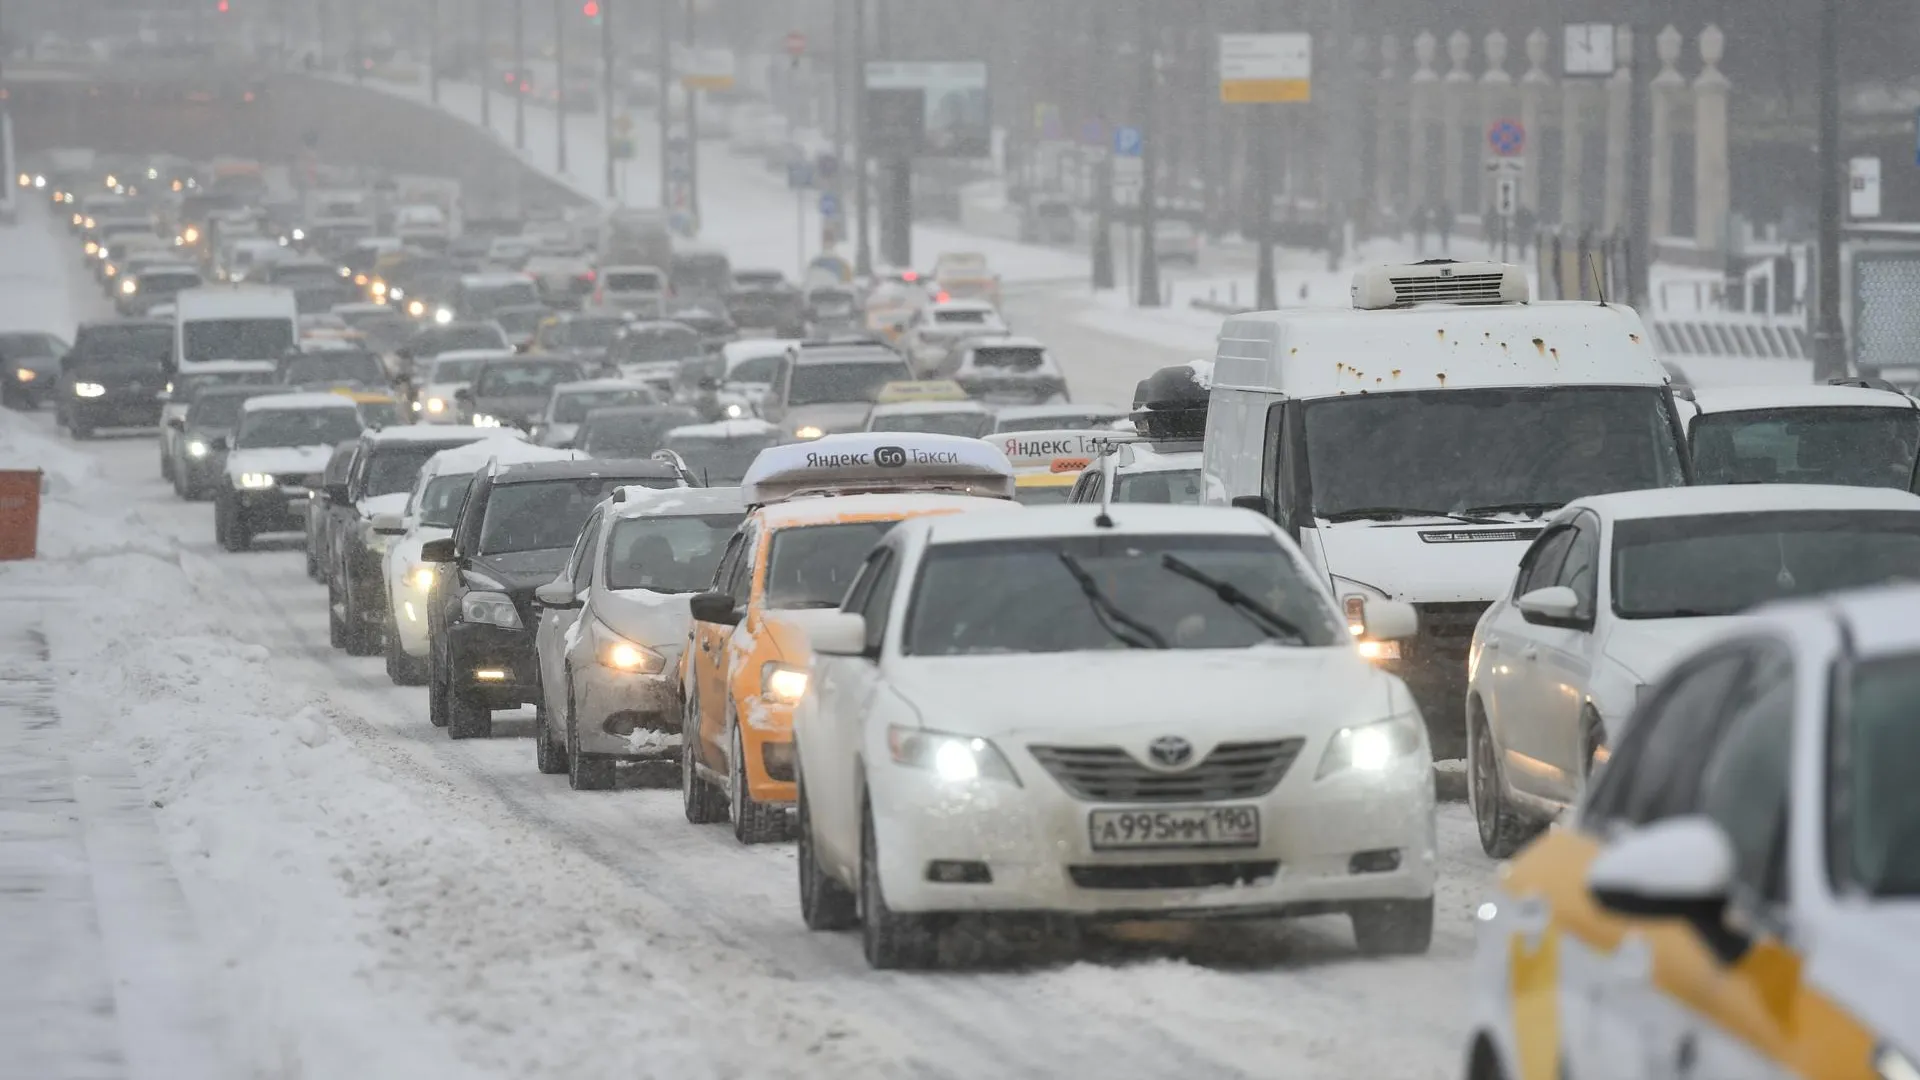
column 1154, row 714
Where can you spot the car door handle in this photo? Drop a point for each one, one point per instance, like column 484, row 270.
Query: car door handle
column 1491, row 644
column 1531, row 652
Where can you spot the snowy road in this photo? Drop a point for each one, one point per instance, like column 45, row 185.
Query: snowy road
column 380, row 901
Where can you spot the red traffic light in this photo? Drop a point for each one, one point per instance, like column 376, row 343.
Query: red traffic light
column 591, row 9
column 223, row 7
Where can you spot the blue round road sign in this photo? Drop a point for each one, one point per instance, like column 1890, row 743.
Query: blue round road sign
column 1506, row 137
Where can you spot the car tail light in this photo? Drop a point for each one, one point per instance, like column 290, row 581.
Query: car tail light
column 942, row 297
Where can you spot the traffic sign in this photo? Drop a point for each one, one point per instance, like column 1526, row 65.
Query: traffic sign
column 1506, row 196
column 1129, row 176
column 1863, row 187
column 799, row 174
column 1128, row 142
column 796, row 43
column 1507, row 138
column 1262, row 69
column 829, row 205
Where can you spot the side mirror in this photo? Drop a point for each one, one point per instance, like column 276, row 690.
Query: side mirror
column 437, row 551
column 1391, row 620
column 220, row 443
column 388, row 524
column 1680, row 868
column 715, row 607
column 832, row 633
column 337, row 493
column 463, row 394
column 177, row 423
column 1554, row 605
column 557, row 594
column 1256, row 503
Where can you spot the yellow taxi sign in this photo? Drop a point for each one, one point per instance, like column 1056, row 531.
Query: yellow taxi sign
column 894, row 393
column 1266, row 69
column 1070, row 464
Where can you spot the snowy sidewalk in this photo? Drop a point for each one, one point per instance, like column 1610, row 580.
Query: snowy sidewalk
column 101, row 958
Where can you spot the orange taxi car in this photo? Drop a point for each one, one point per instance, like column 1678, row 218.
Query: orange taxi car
column 816, row 510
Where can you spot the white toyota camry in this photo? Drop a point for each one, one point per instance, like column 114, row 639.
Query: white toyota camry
column 1150, row 712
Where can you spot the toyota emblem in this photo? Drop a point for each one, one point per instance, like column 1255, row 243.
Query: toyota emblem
column 1170, row 751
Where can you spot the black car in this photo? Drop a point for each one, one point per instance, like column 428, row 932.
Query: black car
column 205, row 433
column 378, row 481
column 516, row 530
column 113, row 375
column 29, row 368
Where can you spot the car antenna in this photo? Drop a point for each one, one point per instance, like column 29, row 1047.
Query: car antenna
column 1599, row 279
column 1109, row 462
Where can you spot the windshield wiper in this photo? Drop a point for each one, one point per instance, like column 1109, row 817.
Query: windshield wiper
column 1392, row 513
column 1134, row 633
column 1537, row 509
column 1270, row 622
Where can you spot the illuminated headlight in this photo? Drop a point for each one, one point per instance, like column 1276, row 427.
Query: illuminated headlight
column 441, row 315
column 955, row 759
column 113, row 181
column 25, row 374
column 299, row 234
column 113, row 271
column 620, row 654
column 1891, row 1064
column 417, row 407
column 416, row 308
column 359, row 279
column 128, row 286
column 196, row 448
column 379, row 287
column 395, row 293
column 92, row 249
column 489, row 609
column 347, row 271
column 77, row 219
column 88, row 223
column 782, row 684
column 807, row 431
column 1370, row 748
column 190, row 235
column 420, row 578
column 735, row 412
column 256, row 481
column 1379, row 650
column 484, row 420
column 39, row 181
column 25, row 180
column 101, row 252
column 89, row 390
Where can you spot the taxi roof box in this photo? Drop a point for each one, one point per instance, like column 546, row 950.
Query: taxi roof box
column 879, row 461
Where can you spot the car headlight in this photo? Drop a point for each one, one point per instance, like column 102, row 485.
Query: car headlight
column 489, row 609
column 781, row 683
column 956, row 759
column 25, row 374
column 735, row 412
column 807, row 431
column 618, row 653
column 128, row 286
column 416, row 308
column 378, row 287
column 485, row 420
column 1370, row 748
column 443, row 315
column 436, row 406
column 113, row 271
column 92, row 249
column 299, row 234
column 394, row 292
column 89, row 390
column 88, row 223
column 196, row 448
column 256, row 481
column 420, row 578
column 1891, row 1064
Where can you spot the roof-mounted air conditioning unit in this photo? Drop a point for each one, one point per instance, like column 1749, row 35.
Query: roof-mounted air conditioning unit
column 1438, row 281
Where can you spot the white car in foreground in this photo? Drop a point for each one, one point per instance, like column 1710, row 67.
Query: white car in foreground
column 1619, row 586
column 1141, row 716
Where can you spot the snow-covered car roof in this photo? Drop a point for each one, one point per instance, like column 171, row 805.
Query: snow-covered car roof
column 874, row 507
column 751, row 427
column 234, row 367
column 942, row 307
column 1742, row 499
column 587, row 386
column 640, row 501
column 1879, row 621
column 1744, row 398
column 505, row 446
column 317, row 399
column 1002, row 341
column 1043, row 522
column 877, row 461
column 929, row 408
column 426, row 433
column 1047, row 412
column 493, row 280
column 738, row 352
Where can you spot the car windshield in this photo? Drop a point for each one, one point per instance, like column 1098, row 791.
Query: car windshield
column 632, row 434
column 394, row 468
column 592, row 333
column 811, row 566
column 1010, row 358
column 1723, row 564
column 973, row 425
column 1529, row 449
column 758, row 369
column 840, row 382
column 341, row 366
column 1163, row 486
column 482, row 301
column 297, row 427
column 571, row 408
column 455, row 339
column 217, row 410
column 1056, row 422
column 522, row 323
column 668, row 554
column 701, row 275
column 960, row 318
column 123, row 346
column 189, row 388
column 23, row 346
column 657, row 346
column 457, row 369
column 440, row 503
column 1858, row 447
column 1873, row 811
column 523, row 378
column 236, row 339
column 541, row 515
column 720, row 462
column 1083, row 593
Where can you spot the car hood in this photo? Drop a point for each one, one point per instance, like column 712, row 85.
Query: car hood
column 1647, row 647
column 391, row 503
column 830, row 418
column 560, row 435
column 514, row 408
column 523, row 571
column 1866, row 958
column 1435, row 562
column 303, row 460
column 1135, row 696
column 656, row 620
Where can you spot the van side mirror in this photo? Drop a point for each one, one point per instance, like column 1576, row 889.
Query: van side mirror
column 438, row 550
column 715, row 607
column 1256, row 503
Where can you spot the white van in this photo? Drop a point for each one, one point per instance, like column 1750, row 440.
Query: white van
column 1415, row 443
column 232, row 322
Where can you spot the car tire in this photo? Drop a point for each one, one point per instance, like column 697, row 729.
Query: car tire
column 166, row 468
column 753, row 822
column 548, row 756
column 361, row 641
column 1503, row 830
column 584, row 772
column 80, row 431
column 436, row 694
column 313, row 561
column 825, row 904
column 1393, row 927
column 467, row 716
column 891, row 941
column 404, row 670
column 233, row 536
column 703, row 805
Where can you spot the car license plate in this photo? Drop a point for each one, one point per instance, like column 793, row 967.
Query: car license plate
column 1175, row 827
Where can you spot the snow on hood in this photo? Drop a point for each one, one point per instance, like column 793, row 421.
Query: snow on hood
column 1396, row 561
column 279, row 459
column 1647, row 647
column 656, row 620
column 390, row 503
column 1867, row 959
column 1135, row 696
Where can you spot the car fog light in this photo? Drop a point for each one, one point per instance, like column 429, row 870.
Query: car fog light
column 1380, row 650
column 196, row 448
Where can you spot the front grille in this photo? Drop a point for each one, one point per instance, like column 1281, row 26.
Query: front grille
column 1109, row 774
column 1176, row 875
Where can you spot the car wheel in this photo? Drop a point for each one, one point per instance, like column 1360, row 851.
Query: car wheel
column 235, row 536
column 1502, row 830
column 584, row 773
column 703, row 804
column 404, row 670
column 1393, row 927
column 166, row 467
column 825, row 904
column 361, row 640
column 549, row 756
column 753, row 822
column 889, row 940
column 467, row 716
column 436, row 694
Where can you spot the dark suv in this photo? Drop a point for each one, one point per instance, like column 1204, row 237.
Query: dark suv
column 378, row 481
column 114, row 374
column 516, row 529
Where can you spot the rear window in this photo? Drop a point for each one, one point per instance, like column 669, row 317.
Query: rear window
column 440, row 504
column 1010, row 359
column 525, row 379
column 335, row 367
column 395, row 468
column 961, row 317
column 632, row 435
column 630, row 281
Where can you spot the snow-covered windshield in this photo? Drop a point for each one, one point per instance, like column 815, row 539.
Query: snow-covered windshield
column 1858, row 447
column 1181, row 486
column 525, row 378
column 1723, row 564
column 810, row 566
column 541, row 515
column 719, row 462
column 1874, row 818
column 296, row 427
column 852, row 381
column 1086, row 593
column 339, row 366
column 668, row 554
column 236, row 339
column 1453, row 451
column 973, row 425
column 759, row 369
column 573, row 407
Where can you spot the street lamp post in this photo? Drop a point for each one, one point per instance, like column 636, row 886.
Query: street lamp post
column 433, row 51
column 1149, row 294
column 482, row 69
column 1829, row 335
column 863, row 245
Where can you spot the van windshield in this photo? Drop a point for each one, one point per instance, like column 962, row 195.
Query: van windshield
column 1521, row 449
column 236, row 339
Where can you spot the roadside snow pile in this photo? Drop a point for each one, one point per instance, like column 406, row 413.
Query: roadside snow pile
column 73, row 501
